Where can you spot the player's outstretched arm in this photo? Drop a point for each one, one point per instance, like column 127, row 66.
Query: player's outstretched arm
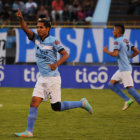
column 64, row 57
column 23, row 25
column 135, row 52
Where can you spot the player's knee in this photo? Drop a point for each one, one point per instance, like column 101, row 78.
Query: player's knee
column 56, row 106
column 128, row 87
column 35, row 102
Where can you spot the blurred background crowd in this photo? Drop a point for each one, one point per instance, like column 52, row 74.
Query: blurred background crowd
column 56, row 10
column 60, row 11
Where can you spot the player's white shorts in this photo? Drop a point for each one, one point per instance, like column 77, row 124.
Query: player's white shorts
column 48, row 87
column 124, row 77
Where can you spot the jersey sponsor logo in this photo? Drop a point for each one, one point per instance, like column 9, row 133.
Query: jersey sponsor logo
column 56, row 42
column 126, row 41
column 43, row 52
column 47, row 47
column 115, row 43
column 42, row 46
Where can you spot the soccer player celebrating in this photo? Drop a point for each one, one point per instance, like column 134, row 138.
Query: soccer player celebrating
column 122, row 50
column 49, row 83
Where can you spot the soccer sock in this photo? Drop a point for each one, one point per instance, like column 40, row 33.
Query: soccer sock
column 118, row 91
column 31, row 118
column 132, row 91
column 70, row 104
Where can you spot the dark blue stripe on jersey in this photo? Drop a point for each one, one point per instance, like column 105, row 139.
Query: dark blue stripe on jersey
column 32, row 37
column 132, row 47
column 61, row 50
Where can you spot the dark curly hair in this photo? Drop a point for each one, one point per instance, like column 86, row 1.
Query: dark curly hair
column 46, row 21
column 121, row 27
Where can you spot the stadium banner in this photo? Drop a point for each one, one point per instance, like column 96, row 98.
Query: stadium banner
column 92, row 77
column 3, row 37
column 83, row 45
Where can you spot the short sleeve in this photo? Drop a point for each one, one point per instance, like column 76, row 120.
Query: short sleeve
column 35, row 36
column 58, row 47
column 116, row 45
column 131, row 45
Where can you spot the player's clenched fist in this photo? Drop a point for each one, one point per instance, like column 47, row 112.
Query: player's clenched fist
column 105, row 49
column 53, row 66
column 19, row 14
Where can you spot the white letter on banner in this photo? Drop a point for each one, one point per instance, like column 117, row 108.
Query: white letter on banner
column 91, row 80
column 136, row 74
column 17, row 45
column 30, row 56
column 78, row 42
column 78, row 73
column 127, row 34
column 85, row 75
column 1, row 73
column 98, row 38
column 33, row 74
column 25, row 50
column 26, row 73
column 102, row 80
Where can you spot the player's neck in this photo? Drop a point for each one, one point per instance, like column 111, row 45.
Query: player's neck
column 43, row 37
column 119, row 35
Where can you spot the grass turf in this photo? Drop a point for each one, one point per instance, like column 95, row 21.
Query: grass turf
column 109, row 122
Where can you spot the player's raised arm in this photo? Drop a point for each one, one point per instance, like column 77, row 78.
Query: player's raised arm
column 23, row 25
column 135, row 52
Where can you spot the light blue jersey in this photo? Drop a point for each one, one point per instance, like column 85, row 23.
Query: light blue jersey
column 124, row 47
column 46, row 53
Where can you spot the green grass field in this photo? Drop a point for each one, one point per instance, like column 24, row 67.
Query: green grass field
column 109, row 122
